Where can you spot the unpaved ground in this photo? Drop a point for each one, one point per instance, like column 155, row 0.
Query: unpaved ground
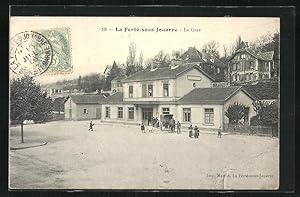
column 121, row 157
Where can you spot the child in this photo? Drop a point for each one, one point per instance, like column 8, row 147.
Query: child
column 150, row 128
column 220, row 132
column 143, row 127
column 91, row 126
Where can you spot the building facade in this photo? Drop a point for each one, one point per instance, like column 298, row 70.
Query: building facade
column 245, row 65
column 83, row 107
column 185, row 92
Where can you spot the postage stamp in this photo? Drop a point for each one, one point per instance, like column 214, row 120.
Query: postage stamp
column 30, row 53
column 61, row 46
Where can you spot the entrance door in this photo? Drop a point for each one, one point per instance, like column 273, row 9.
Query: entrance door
column 70, row 113
column 246, row 116
column 98, row 113
column 147, row 115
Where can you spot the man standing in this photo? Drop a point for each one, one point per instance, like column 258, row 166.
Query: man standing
column 91, row 126
column 196, row 132
column 178, row 127
column 190, row 131
column 220, row 132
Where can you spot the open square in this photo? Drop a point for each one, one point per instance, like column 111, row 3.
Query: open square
column 121, row 157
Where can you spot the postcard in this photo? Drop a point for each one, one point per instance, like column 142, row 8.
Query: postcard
column 151, row 103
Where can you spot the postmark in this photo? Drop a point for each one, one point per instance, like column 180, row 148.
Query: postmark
column 30, row 53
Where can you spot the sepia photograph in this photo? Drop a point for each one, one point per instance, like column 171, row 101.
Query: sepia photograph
column 147, row 103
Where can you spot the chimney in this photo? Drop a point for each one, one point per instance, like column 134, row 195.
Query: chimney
column 246, row 44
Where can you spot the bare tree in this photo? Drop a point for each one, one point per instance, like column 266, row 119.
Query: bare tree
column 212, row 48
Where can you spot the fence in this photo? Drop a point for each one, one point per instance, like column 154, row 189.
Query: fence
column 252, row 130
column 58, row 116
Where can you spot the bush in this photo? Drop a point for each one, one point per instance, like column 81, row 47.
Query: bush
column 235, row 113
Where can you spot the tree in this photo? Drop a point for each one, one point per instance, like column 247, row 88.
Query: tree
column 266, row 112
column 139, row 66
column 28, row 102
column 239, row 44
column 235, row 112
column 58, row 104
column 162, row 59
column 131, row 60
column 212, row 48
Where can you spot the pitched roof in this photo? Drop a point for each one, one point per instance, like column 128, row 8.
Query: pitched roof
column 266, row 56
column 115, row 98
column 164, row 73
column 192, row 55
column 210, row 95
column 87, row 98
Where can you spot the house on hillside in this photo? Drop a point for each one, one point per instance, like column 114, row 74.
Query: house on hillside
column 246, row 65
column 116, row 85
column 182, row 91
column 218, row 66
column 209, row 63
column 83, row 107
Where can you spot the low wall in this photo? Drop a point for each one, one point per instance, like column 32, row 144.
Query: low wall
column 252, row 130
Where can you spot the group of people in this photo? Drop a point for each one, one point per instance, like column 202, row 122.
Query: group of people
column 172, row 126
column 194, row 132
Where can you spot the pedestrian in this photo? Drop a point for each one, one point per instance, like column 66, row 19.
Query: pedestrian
column 143, row 127
column 220, row 132
column 178, row 127
column 91, row 126
column 196, row 132
column 190, row 131
column 150, row 128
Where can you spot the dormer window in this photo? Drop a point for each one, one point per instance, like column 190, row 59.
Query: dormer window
column 212, row 60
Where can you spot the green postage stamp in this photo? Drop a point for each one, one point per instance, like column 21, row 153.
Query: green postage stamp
column 41, row 52
column 60, row 41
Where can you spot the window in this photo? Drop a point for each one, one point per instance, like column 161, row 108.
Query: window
column 85, row 111
column 120, row 112
column 186, row 114
column 209, row 116
column 130, row 113
column 218, row 70
column 234, row 67
column 150, row 90
column 166, row 89
column 251, row 65
column 107, row 112
column 194, row 85
column 130, row 91
column 247, row 76
column 165, row 110
column 238, row 66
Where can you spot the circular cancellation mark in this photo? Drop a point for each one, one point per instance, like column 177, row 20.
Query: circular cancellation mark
column 30, row 53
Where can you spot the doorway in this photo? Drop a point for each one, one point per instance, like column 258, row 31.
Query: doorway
column 246, row 116
column 147, row 114
column 70, row 113
column 98, row 113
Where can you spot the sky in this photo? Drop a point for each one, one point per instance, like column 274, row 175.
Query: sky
column 92, row 48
